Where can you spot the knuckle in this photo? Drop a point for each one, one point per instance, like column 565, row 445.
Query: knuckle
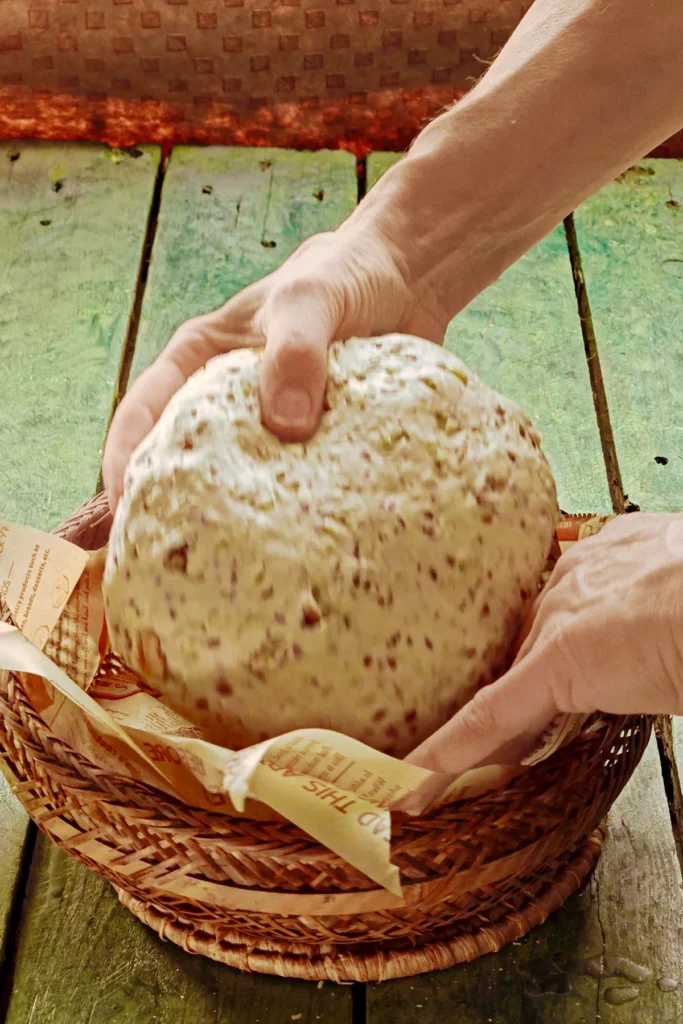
column 434, row 758
column 189, row 337
column 188, row 329
column 297, row 288
column 294, row 289
column 479, row 718
column 570, row 558
column 297, row 354
column 565, row 677
column 321, row 240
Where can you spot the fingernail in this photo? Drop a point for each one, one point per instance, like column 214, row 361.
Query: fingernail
column 292, row 406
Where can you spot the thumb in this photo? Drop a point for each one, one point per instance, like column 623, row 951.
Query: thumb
column 501, row 723
column 293, row 369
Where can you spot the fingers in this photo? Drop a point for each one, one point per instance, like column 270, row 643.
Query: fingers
column 189, row 349
column 502, row 721
column 293, row 371
column 133, row 420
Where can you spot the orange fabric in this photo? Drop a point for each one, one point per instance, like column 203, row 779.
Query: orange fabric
column 361, row 74
column 355, row 73
column 119, row 122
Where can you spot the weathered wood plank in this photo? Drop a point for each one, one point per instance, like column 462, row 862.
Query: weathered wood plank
column 631, row 241
column 631, row 909
column 523, row 337
column 14, row 841
column 82, row 958
column 72, row 223
column 78, row 948
column 228, row 217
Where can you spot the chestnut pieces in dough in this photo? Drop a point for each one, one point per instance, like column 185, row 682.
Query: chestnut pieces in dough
column 368, row 581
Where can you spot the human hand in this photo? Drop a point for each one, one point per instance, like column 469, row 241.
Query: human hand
column 335, row 286
column 605, row 635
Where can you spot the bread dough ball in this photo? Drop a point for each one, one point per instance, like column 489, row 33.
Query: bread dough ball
column 368, row 581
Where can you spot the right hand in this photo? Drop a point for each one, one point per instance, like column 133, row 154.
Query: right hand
column 606, row 634
column 335, row 286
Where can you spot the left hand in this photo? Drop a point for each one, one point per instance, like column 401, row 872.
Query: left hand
column 336, row 285
column 605, row 635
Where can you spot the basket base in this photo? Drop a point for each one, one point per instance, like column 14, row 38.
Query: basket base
column 346, row 965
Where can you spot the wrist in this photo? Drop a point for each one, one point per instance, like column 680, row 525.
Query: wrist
column 448, row 213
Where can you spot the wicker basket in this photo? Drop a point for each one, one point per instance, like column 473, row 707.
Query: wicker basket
column 476, row 873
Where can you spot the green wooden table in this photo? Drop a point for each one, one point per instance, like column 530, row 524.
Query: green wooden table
column 103, row 253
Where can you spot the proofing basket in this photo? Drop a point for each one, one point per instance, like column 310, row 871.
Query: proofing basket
column 263, row 896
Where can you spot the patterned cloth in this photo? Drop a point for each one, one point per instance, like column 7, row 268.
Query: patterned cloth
column 360, row 73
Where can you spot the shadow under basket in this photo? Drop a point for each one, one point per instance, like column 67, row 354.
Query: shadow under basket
column 477, row 873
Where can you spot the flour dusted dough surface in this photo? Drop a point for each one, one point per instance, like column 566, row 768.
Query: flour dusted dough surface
column 368, row 581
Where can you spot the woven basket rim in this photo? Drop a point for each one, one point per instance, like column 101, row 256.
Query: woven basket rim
column 377, row 966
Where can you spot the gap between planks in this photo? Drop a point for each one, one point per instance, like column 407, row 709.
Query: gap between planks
column 362, row 177
column 128, row 350
column 11, row 939
column 359, row 1000
column 609, row 450
column 667, row 732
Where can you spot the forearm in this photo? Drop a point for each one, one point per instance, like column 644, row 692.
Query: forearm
column 582, row 90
